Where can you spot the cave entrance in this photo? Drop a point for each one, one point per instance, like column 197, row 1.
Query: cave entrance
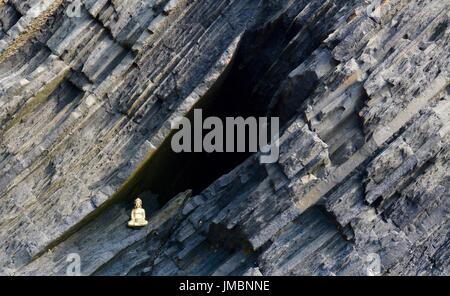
column 168, row 173
column 245, row 89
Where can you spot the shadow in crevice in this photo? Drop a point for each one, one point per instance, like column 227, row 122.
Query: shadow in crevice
column 245, row 89
column 230, row 239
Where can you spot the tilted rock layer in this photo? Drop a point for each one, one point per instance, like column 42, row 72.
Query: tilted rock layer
column 88, row 92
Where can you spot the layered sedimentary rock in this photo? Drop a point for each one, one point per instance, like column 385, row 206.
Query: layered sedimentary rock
column 88, row 92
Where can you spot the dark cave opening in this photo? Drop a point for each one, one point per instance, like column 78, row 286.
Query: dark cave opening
column 168, row 173
column 265, row 56
column 246, row 89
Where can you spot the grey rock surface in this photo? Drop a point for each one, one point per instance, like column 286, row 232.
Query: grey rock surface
column 86, row 102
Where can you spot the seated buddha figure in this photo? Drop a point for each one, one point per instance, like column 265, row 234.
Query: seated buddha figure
column 137, row 215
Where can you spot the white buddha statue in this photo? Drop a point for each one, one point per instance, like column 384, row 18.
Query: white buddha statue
column 137, row 215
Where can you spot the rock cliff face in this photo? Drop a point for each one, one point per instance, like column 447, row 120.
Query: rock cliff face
column 88, row 89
